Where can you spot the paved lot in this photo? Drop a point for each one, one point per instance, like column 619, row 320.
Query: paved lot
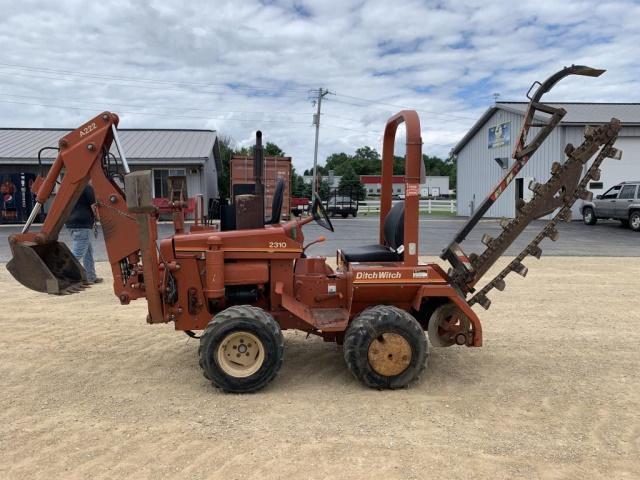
column 576, row 239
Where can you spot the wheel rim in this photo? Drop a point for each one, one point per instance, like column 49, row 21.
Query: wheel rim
column 446, row 325
column 389, row 354
column 587, row 216
column 635, row 221
column 240, row 354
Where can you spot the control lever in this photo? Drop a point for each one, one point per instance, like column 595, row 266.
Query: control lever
column 317, row 240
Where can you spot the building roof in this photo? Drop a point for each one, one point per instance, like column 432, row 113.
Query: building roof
column 21, row 145
column 577, row 114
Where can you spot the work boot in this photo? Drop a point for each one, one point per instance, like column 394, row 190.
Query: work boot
column 97, row 280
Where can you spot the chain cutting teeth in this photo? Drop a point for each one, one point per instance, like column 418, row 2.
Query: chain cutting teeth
column 534, row 251
column 499, row 284
column 569, row 149
column 520, row 269
column 483, row 301
column 586, row 195
column 553, row 234
column 614, row 153
column 534, row 186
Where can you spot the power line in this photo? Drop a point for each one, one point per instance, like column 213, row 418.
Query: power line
column 164, row 115
column 146, row 80
column 451, row 115
column 146, row 87
column 276, row 112
column 157, row 114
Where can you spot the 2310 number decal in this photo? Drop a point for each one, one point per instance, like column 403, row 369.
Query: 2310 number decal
column 277, row 244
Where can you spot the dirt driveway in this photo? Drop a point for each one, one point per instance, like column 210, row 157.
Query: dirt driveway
column 88, row 390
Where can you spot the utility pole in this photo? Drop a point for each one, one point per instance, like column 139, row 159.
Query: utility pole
column 316, row 121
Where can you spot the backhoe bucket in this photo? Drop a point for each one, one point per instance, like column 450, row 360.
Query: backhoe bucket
column 49, row 268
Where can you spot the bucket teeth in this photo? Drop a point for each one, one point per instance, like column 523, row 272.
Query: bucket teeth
column 505, row 222
column 499, row 284
column 555, row 167
column 596, row 175
column 487, row 239
column 567, row 216
column 75, row 288
column 553, row 234
column 535, row 251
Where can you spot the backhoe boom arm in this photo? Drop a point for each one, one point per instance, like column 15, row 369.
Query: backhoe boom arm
column 41, row 262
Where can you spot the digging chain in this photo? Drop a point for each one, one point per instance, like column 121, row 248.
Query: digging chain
column 562, row 190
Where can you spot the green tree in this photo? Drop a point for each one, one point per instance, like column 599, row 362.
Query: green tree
column 321, row 171
column 335, row 161
column 297, row 184
column 398, row 165
column 225, row 146
column 324, row 190
column 435, row 166
column 366, row 161
column 350, row 184
column 273, row 150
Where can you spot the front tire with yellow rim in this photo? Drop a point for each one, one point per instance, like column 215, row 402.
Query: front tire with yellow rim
column 385, row 347
column 242, row 349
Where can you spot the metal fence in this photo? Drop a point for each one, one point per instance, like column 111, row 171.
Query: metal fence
column 426, row 206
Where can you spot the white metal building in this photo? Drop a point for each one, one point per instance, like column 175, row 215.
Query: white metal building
column 433, row 186
column 484, row 153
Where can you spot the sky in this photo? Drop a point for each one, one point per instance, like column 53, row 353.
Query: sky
column 243, row 65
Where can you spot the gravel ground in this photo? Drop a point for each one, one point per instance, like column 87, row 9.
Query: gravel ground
column 90, row 391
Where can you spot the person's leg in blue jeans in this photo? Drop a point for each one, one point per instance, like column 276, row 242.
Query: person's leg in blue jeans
column 83, row 250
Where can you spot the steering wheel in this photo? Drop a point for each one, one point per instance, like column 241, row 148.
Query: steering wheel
column 320, row 214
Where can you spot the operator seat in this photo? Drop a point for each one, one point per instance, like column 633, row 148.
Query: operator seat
column 391, row 251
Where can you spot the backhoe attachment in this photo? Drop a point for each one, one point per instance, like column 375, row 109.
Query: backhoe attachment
column 40, row 262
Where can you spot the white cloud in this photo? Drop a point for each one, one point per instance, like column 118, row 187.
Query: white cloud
column 444, row 59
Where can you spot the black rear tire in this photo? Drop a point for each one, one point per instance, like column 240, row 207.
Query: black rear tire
column 247, row 324
column 634, row 221
column 589, row 216
column 377, row 326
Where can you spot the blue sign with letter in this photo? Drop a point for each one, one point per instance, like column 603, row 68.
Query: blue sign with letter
column 500, row 135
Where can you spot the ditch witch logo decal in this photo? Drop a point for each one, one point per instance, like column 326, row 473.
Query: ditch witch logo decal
column 378, row 275
column 373, row 276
